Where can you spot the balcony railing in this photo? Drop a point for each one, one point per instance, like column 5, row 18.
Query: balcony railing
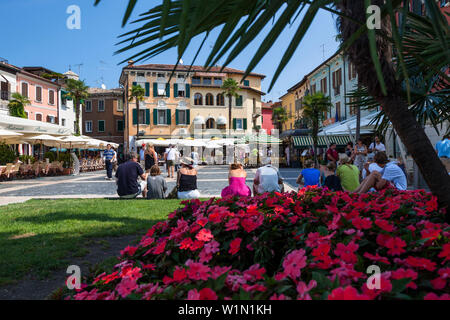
column 5, row 95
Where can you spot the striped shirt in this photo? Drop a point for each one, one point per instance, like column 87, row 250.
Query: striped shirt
column 108, row 154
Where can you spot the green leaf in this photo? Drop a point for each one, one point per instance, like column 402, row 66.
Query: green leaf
column 399, row 285
column 322, row 281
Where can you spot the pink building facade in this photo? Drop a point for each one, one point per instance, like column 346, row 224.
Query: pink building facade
column 43, row 96
column 267, row 123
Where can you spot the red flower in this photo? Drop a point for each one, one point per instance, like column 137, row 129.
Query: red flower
column 160, row 247
column 376, row 258
column 130, row 251
column 321, row 252
column 405, row 273
column 126, row 286
column 179, row 274
column 207, row 294
column 361, row 223
column 204, row 235
column 434, row 296
column 445, row 253
column 346, row 252
column 197, row 271
column 421, row 263
column 395, row 246
column 150, row 266
column 186, row 243
column 347, row 293
column 385, row 225
column 235, row 246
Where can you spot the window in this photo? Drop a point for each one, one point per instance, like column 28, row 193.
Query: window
column 196, row 80
column 161, row 75
column 88, row 106
column 120, row 126
column 142, row 114
column 63, row 100
column 207, row 81
column 88, row 126
column 4, row 90
column 119, row 105
column 323, row 85
column 63, row 122
column 210, row 123
column 101, row 105
column 198, row 99
column 246, row 83
column 38, row 94
column 181, row 89
column 351, row 71
column 239, row 101
column 239, row 125
column 313, row 89
column 51, row 97
column 220, row 100
column 161, row 89
column 338, row 111
column 218, row 81
column 209, row 99
column 38, row 116
column 162, row 116
column 50, row 119
column 25, row 89
column 337, row 81
column 101, row 125
column 182, row 117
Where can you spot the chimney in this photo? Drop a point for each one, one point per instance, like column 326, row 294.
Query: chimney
column 130, row 63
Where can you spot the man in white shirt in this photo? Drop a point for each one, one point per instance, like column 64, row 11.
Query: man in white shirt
column 377, row 146
column 170, row 160
column 267, row 179
column 390, row 176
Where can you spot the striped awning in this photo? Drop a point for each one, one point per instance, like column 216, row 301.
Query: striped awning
column 322, row 141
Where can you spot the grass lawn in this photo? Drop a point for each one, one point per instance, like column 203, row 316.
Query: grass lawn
column 39, row 236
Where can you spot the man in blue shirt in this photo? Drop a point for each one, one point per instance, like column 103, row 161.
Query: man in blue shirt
column 443, row 148
column 108, row 156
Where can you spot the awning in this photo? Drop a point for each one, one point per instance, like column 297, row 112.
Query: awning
column 306, row 141
column 22, row 125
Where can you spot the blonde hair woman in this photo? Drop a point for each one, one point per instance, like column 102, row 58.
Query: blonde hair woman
column 150, row 156
column 348, row 173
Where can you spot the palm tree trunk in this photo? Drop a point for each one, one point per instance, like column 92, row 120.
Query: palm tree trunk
column 358, row 123
column 229, row 114
column 137, row 125
column 77, row 111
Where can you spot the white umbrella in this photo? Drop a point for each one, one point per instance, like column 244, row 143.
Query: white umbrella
column 43, row 139
column 9, row 135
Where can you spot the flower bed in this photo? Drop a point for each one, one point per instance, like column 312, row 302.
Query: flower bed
column 313, row 245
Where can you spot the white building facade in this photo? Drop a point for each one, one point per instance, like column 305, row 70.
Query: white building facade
column 8, row 85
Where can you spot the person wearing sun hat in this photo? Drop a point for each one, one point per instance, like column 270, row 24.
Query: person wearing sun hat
column 187, row 180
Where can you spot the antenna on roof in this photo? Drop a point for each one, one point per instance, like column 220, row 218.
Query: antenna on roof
column 79, row 68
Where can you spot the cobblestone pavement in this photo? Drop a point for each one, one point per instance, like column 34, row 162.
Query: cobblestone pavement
column 211, row 180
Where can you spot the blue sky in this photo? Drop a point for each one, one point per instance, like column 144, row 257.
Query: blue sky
column 37, row 36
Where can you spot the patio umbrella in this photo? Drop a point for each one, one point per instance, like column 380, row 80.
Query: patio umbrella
column 43, row 139
column 7, row 135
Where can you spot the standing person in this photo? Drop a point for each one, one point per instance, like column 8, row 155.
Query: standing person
column 349, row 151
column 142, row 155
column 150, row 157
column 288, row 156
column 332, row 181
column 187, row 180
column 156, row 185
column 360, row 153
column 195, row 157
column 392, row 176
column 170, row 159
column 332, row 154
column 267, row 179
column 348, row 174
column 127, row 175
column 377, row 146
column 177, row 159
column 114, row 159
column 269, row 153
column 108, row 156
column 309, row 176
column 236, row 180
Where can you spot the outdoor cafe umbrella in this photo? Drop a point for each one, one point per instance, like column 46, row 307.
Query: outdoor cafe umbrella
column 43, row 139
column 8, row 135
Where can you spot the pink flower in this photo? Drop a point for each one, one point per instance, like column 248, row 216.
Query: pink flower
column 294, row 262
column 254, row 273
column 204, row 235
column 193, row 295
column 385, row 225
column 235, row 245
column 128, row 251
column 207, row 294
column 126, row 286
column 434, row 296
column 445, row 253
column 346, row 252
column 376, row 258
column 198, row 271
column 438, row 283
column 303, row 289
column 395, row 246
column 405, row 273
column 361, row 223
column 208, row 251
column 347, row 293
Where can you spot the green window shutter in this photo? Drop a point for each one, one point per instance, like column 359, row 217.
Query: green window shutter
column 120, row 126
column 188, row 116
column 147, row 116
column 234, row 123
column 167, row 90
column 239, row 101
column 176, row 117
column 147, row 89
column 101, row 126
column 245, row 123
column 188, row 91
column 155, row 116
column 175, row 90
column 134, row 116
column 155, row 89
column 246, row 83
column 169, row 117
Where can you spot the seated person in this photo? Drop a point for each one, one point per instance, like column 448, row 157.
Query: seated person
column 187, row 180
column 267, row 179
column 309, row 175
column 390, row 177
column 348, row 173
column 156, row 184
column 236, row 178
column 127, row 175
column 332, row 181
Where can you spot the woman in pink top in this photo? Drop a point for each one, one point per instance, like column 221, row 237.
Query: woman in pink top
column 236, row 178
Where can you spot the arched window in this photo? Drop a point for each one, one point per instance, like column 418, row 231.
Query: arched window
column 220, row 100
column 209, row 99
column 198, row 99
column 210, row 123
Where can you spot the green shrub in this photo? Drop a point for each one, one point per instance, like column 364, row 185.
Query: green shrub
column 7, row 154
column 25, row 158
column 50, row 155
